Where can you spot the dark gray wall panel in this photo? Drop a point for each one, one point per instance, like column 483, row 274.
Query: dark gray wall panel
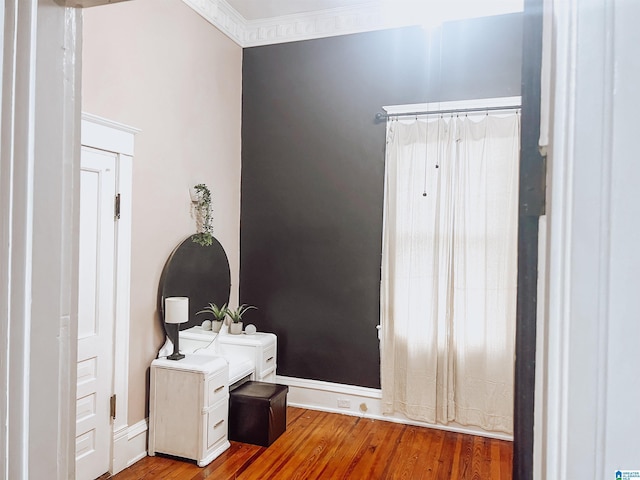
column 313, row 170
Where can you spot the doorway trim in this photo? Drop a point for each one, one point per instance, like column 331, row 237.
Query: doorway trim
column 103, row 134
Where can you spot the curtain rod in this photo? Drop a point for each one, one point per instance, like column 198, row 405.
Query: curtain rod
column 381, row 117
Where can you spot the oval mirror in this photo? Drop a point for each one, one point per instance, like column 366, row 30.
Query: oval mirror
column 198, row 272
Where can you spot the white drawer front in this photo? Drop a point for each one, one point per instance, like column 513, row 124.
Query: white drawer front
column 217, row 388
column 268, row 360
column 269, row 377
column 217, row 424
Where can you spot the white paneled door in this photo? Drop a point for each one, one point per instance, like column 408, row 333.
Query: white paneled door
column 95, row 313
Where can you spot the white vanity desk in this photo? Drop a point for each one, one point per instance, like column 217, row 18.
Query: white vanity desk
column 189, row 397
column 252, row 356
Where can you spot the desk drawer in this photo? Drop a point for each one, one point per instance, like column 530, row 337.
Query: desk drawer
column 269, row 376
column 217, row 388
column 268, row 360
column 217, row 424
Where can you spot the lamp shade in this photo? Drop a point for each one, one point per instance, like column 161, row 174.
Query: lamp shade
column 176, row 309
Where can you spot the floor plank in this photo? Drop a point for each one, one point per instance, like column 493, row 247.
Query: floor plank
column 320, row 445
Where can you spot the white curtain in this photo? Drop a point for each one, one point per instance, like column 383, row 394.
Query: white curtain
column 449, row 269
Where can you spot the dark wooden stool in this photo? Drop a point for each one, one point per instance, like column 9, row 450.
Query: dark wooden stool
column 258, row 413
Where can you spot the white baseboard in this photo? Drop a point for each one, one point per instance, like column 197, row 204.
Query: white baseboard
column 129, row 445
column 359, row 401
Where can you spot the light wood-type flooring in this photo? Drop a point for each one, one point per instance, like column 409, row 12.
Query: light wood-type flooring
column 319, row 445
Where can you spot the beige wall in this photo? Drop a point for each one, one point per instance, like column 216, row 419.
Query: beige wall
column 158, row 66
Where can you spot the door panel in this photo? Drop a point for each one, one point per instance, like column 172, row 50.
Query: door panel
column 95, row 313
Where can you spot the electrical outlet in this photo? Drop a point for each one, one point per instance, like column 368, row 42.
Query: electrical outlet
column 344, row 403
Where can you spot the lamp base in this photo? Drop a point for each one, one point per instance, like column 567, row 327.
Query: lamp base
column 176, row 355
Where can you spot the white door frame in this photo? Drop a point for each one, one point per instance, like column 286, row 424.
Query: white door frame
column 115, row 137
column 591, row 393
column 38, row 227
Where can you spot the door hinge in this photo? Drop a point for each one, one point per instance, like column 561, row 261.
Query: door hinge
column 112, row 406
column 117, row 207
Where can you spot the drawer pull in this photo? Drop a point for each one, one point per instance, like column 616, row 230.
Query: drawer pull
column 219, row 423
column 269, row 359
column 218, row 389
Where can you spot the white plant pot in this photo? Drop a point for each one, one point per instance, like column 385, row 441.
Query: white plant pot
column 216, row 326
column 193, row 194
column 235, row 328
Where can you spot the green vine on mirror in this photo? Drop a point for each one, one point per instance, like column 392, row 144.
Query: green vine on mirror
column 203, row 212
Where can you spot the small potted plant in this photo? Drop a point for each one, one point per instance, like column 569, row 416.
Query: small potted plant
column 236, row 318
column 219, row 314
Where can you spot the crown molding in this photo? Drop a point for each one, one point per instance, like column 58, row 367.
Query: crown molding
column 222, row 16
column 325, row 23
column 290, row 28
column 85, row 3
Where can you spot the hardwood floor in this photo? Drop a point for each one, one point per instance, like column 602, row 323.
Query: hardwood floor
column 319, row 445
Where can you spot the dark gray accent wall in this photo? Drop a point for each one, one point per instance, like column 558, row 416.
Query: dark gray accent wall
column 313, row 173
